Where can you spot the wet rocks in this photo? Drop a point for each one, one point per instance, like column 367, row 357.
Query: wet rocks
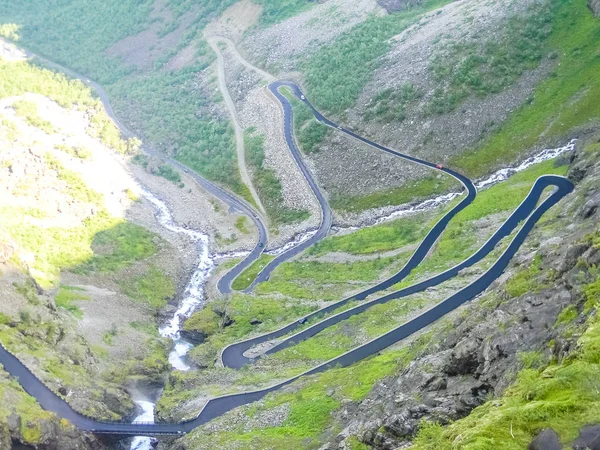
column 589, row 438
column 546, row 440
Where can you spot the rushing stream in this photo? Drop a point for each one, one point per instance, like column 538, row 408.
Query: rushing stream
column 192, row 298
column 194, row 292
column 147, row 416
column 496, row 177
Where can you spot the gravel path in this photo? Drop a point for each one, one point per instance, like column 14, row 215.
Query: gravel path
column 239, row 132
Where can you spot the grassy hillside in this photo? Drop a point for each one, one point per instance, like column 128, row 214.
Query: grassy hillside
column 315, row 410
column 564, row 102
column 80, row 283
column 161, row 105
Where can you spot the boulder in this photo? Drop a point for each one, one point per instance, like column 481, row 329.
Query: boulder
column 589, row 438
column 595, row 6
column 398, row 5
column 547, row 439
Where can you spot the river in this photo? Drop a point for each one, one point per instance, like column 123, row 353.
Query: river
column 192, row 298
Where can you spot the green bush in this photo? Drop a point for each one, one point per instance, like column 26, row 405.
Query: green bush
column 167, row 171
column 268, row 185
column 153, row 288
column 28, row 110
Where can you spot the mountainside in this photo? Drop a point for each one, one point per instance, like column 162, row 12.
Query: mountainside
column 140, row 247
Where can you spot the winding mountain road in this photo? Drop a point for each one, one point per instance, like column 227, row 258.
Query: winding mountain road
column 527, row 213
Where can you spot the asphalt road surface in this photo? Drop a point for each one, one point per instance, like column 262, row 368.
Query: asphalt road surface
column 527, row 212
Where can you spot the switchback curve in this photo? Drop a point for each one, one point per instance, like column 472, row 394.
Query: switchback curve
column 225, row 282
column 216, row 407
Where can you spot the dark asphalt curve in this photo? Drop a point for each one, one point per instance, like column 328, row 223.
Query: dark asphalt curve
column 235, row 203
column 216, row 407
column 232, row 356
column 326, row 215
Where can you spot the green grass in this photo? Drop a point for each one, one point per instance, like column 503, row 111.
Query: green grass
column 406, row 193
column 241, row 224
column 249, row 274
column 119, row 246
column 65, row 298
column 327, row 281
column 275, row 11
column 268, row 185
column 560, row 396
column 380, row 238
column 526, row 281
column 28, row 110
column 566, row 100
column 205, row 321
column 153, row 288
column 336, row 74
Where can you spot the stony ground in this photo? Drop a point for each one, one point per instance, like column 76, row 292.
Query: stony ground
column 259, row 110
column 278, row 46
column 346, row 168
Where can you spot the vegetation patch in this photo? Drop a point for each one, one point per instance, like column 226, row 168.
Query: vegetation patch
column 307, row 129
column 462, row 69
column 28, row 110
column 410, row 192
column 388, row 236
column 76, row 151
column 390, row 105
column 526, row 280
column 153, row 288
column 66, row 297
column 167, row 171
column 119, row 246
column 337, row 73
column 268, row 185
column 246, row 278
column 275, row 11
column 567, row 99
column 20, row 77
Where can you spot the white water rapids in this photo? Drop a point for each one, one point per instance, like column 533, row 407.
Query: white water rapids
column 496, row 177
column 147, row 416
column 192, row 298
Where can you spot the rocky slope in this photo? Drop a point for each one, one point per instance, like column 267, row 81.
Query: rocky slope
column 505, row 331
column 84, row 266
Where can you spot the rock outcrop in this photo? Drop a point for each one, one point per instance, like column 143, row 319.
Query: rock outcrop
column 595, row 6
column 479, row 356
column 398, row 5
